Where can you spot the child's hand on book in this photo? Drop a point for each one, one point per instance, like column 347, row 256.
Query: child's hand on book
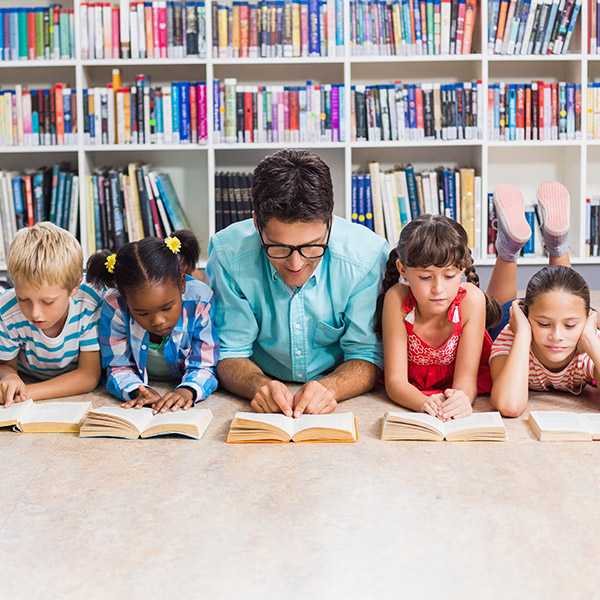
column 433, row 405
column 456, row 405
column 142, row 397
column 179, row 398
column 314, row 398
column 273, row 397
column 12, row 389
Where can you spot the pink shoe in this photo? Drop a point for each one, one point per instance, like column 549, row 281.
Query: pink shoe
column 510, row 210
column 553, row 199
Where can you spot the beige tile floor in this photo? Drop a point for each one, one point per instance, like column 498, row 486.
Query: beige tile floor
column 172, row 517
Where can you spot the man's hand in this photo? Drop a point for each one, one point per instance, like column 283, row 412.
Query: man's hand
column 273, row 397
column 12, row 389
column 180, row 398
column 314, row 398
column 145, row 395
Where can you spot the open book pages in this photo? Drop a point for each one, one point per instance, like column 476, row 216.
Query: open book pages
column 44, row 417
column 259, row 427
column 132, row 423
column 478, row 427
column 564, row 426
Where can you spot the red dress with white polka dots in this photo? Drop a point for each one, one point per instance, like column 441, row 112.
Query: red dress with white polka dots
column 430, row 369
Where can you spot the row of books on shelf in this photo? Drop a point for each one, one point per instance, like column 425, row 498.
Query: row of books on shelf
column 124, row 205
column 139, row 29
column 281, row 28
column 277, row 113
column 233, row 198
column 37, row 33
column 428, row 111
column 42, row 117
column 145, row 114
column 45, row 194
column 385, row 201
column 536, row 111
column 415, row 27
column 531, row 26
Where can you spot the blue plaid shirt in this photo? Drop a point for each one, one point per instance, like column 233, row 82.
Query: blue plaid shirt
column 191, row 352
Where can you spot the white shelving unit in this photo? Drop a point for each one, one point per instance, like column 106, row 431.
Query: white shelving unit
column 192, row 167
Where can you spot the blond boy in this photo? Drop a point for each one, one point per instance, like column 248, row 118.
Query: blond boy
column 49, row 321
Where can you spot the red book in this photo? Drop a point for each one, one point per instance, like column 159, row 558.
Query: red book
column 29, row 200
column 193, row 114
column 294, row 115
column 528, row 112
column 578, row 112
column 419, row 111
column 156, row 28
column 541, row 132
column 520, row 124
column 116, row 43
column 470, row 14
column 554, row 96
column 491, row 124
column 248, row 116
column 31, row 34
column 244, row 29
column 162, row 30
column 202, row 125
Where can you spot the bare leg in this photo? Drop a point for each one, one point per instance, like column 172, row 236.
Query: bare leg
column 562, row 260
column 503, row 282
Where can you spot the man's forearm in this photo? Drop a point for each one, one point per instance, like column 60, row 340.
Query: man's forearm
column 241, row 376
column 352, row 378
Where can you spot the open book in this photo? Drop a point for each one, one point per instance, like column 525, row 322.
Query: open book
column 258, row 427
column 132, row 423
column 559, row 426
column 44, row 417
column 478, row 427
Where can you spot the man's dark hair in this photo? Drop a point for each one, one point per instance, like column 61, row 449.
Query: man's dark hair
column 292, row 186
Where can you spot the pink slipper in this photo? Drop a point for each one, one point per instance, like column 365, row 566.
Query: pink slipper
column 510, row 211
column 553, row 199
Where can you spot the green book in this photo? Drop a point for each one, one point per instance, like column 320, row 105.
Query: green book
column 65, row 42
column 39, row 33
column 22, row 12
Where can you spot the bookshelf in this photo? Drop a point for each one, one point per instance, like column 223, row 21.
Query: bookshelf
column 192, row 167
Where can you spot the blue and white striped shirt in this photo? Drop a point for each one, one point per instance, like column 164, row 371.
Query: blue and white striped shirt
column 46, row 357
column 191, row 352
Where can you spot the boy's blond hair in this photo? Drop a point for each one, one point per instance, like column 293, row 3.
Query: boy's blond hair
column 45, row 254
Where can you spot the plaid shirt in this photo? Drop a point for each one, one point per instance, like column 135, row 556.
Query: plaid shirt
column 191, row 352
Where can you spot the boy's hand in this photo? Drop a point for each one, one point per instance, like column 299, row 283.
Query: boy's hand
column 145, row 395
column 432, row 405
column 456, row 405
column 179, row 398
column 589, row 336
column 519, row 323
column 273, row 397
column 315, row 399
column 12, row 389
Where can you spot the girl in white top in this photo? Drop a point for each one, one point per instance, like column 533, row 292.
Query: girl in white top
column 551, row 340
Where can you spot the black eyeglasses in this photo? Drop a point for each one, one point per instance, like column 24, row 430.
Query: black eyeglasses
column 305, row 250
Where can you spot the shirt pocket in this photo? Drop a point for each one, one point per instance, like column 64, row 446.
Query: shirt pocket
column 326, row 334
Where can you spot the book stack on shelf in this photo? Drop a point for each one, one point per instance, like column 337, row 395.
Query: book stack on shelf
column 531, row 26
column 233, row 199
column 38, row 117
column 282, row 29
column 125, row 205
column 393, row 27
column 277, row 113
column 139, row 30
column 145, row 114
column 386, row 201
column 428, row 111
column 536, row 111
column 37, row 33
column 44, row 194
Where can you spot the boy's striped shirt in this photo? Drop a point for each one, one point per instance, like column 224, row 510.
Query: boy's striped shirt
column 41, row 356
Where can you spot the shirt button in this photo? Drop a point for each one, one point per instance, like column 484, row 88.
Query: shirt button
column 143, row 347
column 298, row 325
column 300, row 375
column 298, row 352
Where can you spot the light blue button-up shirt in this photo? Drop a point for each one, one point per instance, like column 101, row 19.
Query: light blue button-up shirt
column 299, row 336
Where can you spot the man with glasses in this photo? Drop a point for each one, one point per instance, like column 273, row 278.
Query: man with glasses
column 295, row 293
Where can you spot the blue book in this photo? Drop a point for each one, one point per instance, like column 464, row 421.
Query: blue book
column 522, row 25
column 493, row 9
column 17, row 186
column 97, row 217
column 60, row 198
column 171, row 202
column 322, row 32
column 572, row 23
column 339, row 23
column 314, row 28
column 549, row 29
column 451, row 195
column 413, row 198
column 417, row 19
column 67, row 118
column 2, row 50
column 402, row 205
column 368, row 203
column 38, row 196
column 512, row 112
column 53, row 193
column 529, row 247
column 570, row 111
column 35, row 118
column 175, row 108
column 118, row 207
column 14, row 34
column 412, row 112
column 184, row 113
column 66, row 208
column 361, row 204
column 217, row 110
column 354, row 203
column 160, row 126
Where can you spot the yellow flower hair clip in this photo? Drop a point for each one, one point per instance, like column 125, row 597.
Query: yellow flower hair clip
column 173, row 244
column 110, row 263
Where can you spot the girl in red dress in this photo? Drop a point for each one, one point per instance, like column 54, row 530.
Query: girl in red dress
column 435, row 344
